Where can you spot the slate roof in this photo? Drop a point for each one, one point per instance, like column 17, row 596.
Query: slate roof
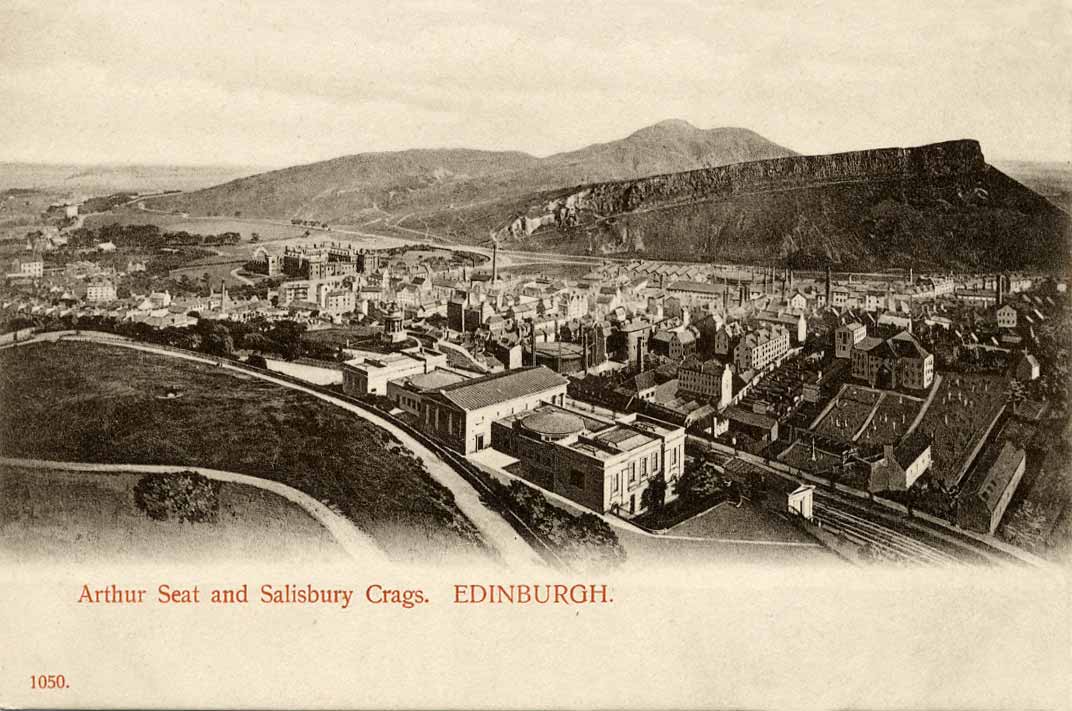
column 501, row 387
column 1000, row 476
column 910, row 449
column 697, row 286
column 905, row 345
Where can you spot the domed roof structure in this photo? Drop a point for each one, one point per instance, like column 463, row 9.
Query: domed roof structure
column 553, row 423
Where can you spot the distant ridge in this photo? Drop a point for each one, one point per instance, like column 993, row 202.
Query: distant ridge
column 351, row 187
column 938, row 206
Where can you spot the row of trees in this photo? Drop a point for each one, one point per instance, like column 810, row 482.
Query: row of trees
column 284, row 338
column 145, row 237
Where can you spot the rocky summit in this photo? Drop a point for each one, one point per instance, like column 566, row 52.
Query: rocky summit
column 933, row 206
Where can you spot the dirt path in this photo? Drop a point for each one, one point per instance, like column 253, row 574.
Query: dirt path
column 357, row 544
column 497, row 533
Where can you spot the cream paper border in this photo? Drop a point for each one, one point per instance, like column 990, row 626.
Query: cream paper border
column 733, row 637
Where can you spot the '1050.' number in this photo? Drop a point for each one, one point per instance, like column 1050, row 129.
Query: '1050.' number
column 48, row 681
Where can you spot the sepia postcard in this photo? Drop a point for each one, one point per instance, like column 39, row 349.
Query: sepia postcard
column 511, row 355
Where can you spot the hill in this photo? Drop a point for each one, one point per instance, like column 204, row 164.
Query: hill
column 936, row 206
column 351, row 188
column 1051, row 180
column 92, row 180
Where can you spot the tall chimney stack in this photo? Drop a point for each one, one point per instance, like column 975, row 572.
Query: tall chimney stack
column 584, row 346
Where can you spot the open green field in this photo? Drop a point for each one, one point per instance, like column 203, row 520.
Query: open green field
column 892, row 419
column 848, row 414
column 68, row 516
column 799, row 455
column 962, row 409
column 216, row 272
column 94, row 403
column 747, row 522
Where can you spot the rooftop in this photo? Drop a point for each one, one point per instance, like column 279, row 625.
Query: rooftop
column 501, row 387
column 1000, row 476
column 433, row 380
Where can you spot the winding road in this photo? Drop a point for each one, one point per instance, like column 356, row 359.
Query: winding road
column 514, row 551
column 356, row 543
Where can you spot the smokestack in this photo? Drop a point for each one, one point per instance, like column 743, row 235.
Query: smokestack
column 584, row 346
column 828, row 288
column 640, row 354
column 495, row 261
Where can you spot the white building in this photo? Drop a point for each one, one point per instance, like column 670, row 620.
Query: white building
column 461, row 414
column 370, row 375
column 712, row 379
column 100, row 291
column 847, row 337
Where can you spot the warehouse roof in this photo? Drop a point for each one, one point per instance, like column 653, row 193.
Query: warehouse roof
column 501, row 387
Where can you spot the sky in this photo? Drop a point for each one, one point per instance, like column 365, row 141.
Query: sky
column 276, row 83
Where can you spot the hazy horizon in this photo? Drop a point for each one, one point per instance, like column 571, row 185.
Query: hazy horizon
column 271, row 85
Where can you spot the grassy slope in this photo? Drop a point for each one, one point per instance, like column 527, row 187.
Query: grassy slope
column 857, row 225
column 402, row 182
column 86, row 516
column 83, row 402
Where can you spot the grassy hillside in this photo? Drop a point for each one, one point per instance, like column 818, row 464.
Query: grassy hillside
column 91, row 180
column 1052, row 180
column 84, row 517
column 86, row 402
column 356, row 187
column 949, row 211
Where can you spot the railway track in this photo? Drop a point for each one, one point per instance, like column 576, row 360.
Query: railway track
column 888, row 542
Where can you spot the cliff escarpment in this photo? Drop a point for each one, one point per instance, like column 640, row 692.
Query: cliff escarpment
column 924, row 162
column 938, row 205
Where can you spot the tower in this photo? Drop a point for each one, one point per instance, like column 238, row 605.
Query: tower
column 494, row 260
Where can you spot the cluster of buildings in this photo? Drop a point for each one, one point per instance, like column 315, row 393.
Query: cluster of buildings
column 496, row 362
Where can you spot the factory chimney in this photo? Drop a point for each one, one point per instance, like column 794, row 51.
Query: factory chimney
column 533, row 340
column 829, row 290
column 640, row 354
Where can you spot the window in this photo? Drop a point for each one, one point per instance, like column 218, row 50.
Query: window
column 643, row 468
column 616, row 482
column 632, row 472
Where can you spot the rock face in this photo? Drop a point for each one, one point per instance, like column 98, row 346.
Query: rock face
column 937, row 160
column 427, row 182
column 937, row 205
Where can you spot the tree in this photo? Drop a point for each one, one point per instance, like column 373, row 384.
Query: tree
column 654, row 497
column 218, row 341
column 698, row 484
column 183, row 496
